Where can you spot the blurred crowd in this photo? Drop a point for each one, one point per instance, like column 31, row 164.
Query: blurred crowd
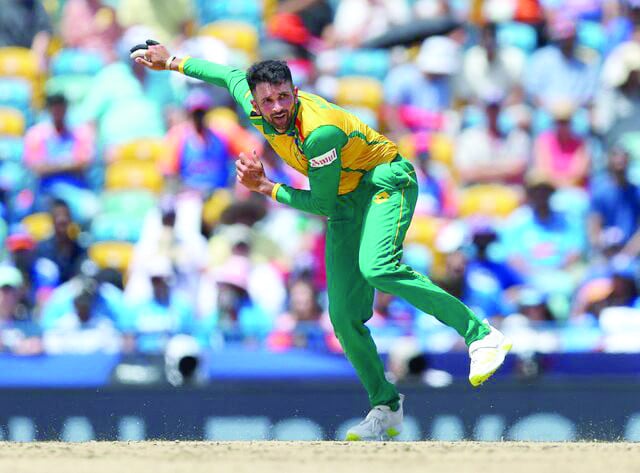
column 122, row 225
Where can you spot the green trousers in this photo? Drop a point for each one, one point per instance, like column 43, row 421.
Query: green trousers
column 364, row 248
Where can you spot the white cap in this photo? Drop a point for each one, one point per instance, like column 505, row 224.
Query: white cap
column 439, row 55
column 621, row 61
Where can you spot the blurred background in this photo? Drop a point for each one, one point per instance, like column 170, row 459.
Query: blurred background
column 137, row 278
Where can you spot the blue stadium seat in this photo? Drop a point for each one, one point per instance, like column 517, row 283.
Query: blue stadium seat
column 520, row 35
column 248, row 11
column 11, row 148
column 116, row 227
column 364, row 62
column 76, row 62
column 16, row 93
column 592, row 35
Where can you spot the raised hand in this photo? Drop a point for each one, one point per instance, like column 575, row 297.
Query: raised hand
column 152, row 55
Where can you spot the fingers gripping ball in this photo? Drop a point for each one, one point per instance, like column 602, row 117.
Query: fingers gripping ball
column 139, row 50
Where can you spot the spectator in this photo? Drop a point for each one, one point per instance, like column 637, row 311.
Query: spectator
column 22, row 254
column 173, row 232
column 560, row 156
column 305, row 324
column 61, row 249
column 90, row 25
column 623, row 291
column 25, row 23
column 109, row 298
column 84, row 329
column 168, row 20
column 419, row 94
column 484, row 237
column 358, row 20
column 478, row 290
column 198, row 156
column 487, row 68
column 485, row 154
column 615, row 204
column 556, row 71
column 437, row 189
column 19, row 335
column 538, row 238
column 619, row 97
column 57, row 154
column 153, row 322
column 236, row 317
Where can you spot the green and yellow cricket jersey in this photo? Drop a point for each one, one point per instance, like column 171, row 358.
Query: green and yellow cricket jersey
column 324, row 142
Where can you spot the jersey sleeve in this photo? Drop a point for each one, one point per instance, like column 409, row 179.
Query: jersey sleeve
column 234, row 80
column 323, row 149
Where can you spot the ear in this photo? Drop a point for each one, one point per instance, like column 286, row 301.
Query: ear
column 295, row 93
column 255, row 106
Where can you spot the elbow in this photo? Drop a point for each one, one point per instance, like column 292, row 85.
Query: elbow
column 326, row 208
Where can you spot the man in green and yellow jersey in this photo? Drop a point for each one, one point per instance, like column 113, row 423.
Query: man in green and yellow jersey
column 368, row 193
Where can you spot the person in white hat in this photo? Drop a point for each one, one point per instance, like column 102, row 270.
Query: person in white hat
column 424, row 87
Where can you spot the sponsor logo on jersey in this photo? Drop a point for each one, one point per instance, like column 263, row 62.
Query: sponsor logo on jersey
column 324, row 159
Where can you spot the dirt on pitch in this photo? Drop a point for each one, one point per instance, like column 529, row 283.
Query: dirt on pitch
column 331, row 457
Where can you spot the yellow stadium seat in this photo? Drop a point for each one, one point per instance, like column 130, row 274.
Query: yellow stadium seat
column 111, row 254
column 153, row 150
column 424, row 231
column 11, row 122
column 359, row 91
column 491, row 200
column 134, row 175
column 235, row 34
column 19, row 62
column 39, row 225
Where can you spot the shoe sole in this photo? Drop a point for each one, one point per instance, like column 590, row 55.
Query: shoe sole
column 390, row 434
column 479, row 380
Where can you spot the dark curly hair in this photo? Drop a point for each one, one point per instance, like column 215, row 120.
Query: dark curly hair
column 273, row 72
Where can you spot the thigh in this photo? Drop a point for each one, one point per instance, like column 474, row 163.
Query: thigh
column 350, row 295
column 386, row 220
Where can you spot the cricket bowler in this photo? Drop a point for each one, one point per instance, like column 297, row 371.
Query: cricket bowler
column 368, row 193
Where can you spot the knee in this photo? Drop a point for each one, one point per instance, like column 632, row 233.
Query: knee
column 375, row 276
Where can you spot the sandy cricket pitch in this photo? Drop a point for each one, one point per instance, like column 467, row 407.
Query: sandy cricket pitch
column 306, row 457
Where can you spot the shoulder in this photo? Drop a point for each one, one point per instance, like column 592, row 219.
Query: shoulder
column 324, row 138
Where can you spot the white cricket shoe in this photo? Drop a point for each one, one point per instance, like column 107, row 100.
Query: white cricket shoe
column 487, row 355
column 380, row 424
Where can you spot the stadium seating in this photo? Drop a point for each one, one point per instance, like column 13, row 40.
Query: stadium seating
column 136, row 203
column 16, row 93
column 235, row 34
column 489, row 200
column 19, row 62
column 39, row 225
column 128, row 175
column 519, row 35
column 118, row 227
column 145, row 149
column 373, row 63
column 111, row 254
column 76, row 62
column 359, row 92
column 248, row 11
column 11, row 122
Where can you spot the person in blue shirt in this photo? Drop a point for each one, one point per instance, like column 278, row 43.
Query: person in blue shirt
column 615, row 203
column 152, row 323
column 556, row 71
column 199, row 157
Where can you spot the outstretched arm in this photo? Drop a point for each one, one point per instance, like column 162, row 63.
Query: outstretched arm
column 157, row 57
